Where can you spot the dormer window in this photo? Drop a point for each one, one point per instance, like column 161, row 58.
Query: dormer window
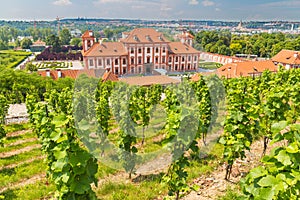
column 148, row 37
column 135, row 38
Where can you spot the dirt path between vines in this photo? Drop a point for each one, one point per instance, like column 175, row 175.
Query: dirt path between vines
column 21, row 142
column 24, row 182
column 19, row 151
column 214, row 185
column 21, row 163
column 18, row 133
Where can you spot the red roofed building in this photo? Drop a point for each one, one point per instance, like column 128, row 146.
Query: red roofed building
column 140, row 51
column 248, row 68
column 287, row 58
column 71, row 73
column 109, row 76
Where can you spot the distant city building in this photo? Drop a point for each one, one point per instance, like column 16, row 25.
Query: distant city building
column 139, row 52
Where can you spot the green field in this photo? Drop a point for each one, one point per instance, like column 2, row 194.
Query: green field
column 11, row 59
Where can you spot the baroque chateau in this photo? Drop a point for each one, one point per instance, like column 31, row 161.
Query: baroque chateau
column 140, row 51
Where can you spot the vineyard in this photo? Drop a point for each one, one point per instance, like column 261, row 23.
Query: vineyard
column 106, row 140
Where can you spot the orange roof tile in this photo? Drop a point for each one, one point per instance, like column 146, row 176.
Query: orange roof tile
column 107, row 49
column 195, row 77
column 88, row 34
column 109, row 76
column 39, row 43
column 149, row 80
column 238, row 69
column 68, row 73
column 287, row 57
column 144, row 35
column 186, row 35
column 178, row 47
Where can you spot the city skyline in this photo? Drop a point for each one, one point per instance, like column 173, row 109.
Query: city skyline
column 152, row 9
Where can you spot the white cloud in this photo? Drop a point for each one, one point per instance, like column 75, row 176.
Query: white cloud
column 193, row 2
column 218, row 9
column 62, row 2
column 291, row 3
column 166, row 9
column 207, row 3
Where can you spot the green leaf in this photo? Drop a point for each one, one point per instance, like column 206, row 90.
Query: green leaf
column 257, row 172
column 284, row 158
column 277, row 127
column 60, row 120
column 80, row 184
column 266, row 193
column 292, row 148
column 267, row 181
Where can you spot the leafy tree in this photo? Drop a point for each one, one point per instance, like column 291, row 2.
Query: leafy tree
column 25, row 43
column 108, row 33
column 54, row 41
column 31, row 67
column 65, row 36
column 76, row 42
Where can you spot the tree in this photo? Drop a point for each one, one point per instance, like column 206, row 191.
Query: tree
column 108, row 33
column 31, row 67
column 65, row 36
column 54, row 41
column 76, row 42
column 25, row 43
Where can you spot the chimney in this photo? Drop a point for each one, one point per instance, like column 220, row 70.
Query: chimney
column 48, row 73
column 59, row 75
column 295, row 54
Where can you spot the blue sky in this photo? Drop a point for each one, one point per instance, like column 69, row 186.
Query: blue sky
column 153, row 9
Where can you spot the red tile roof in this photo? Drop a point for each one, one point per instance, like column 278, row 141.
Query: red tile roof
column 109, row 76
column 287, row 57
column 106, row 49
column 234, row 70
column 149, row 80
column 39, row 43
column 195, row 77
column 186, row 35
column 144, row 35
column 68, row 73
column 178, row 47
column 88, row 34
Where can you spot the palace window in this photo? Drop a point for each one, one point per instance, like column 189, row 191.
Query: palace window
column 117, row 61
column 100, row 62
column 164, row 50
column 91, row 62
column 156, row 49
column 132, row 50
column 108, row 61
column 140, row 50
column 132, row 60
column 163, row 59
column 148, row 50
column 156, row 59
column 124, row 61
column 139, row 60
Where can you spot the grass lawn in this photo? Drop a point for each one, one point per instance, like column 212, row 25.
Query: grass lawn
column 209, row 65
